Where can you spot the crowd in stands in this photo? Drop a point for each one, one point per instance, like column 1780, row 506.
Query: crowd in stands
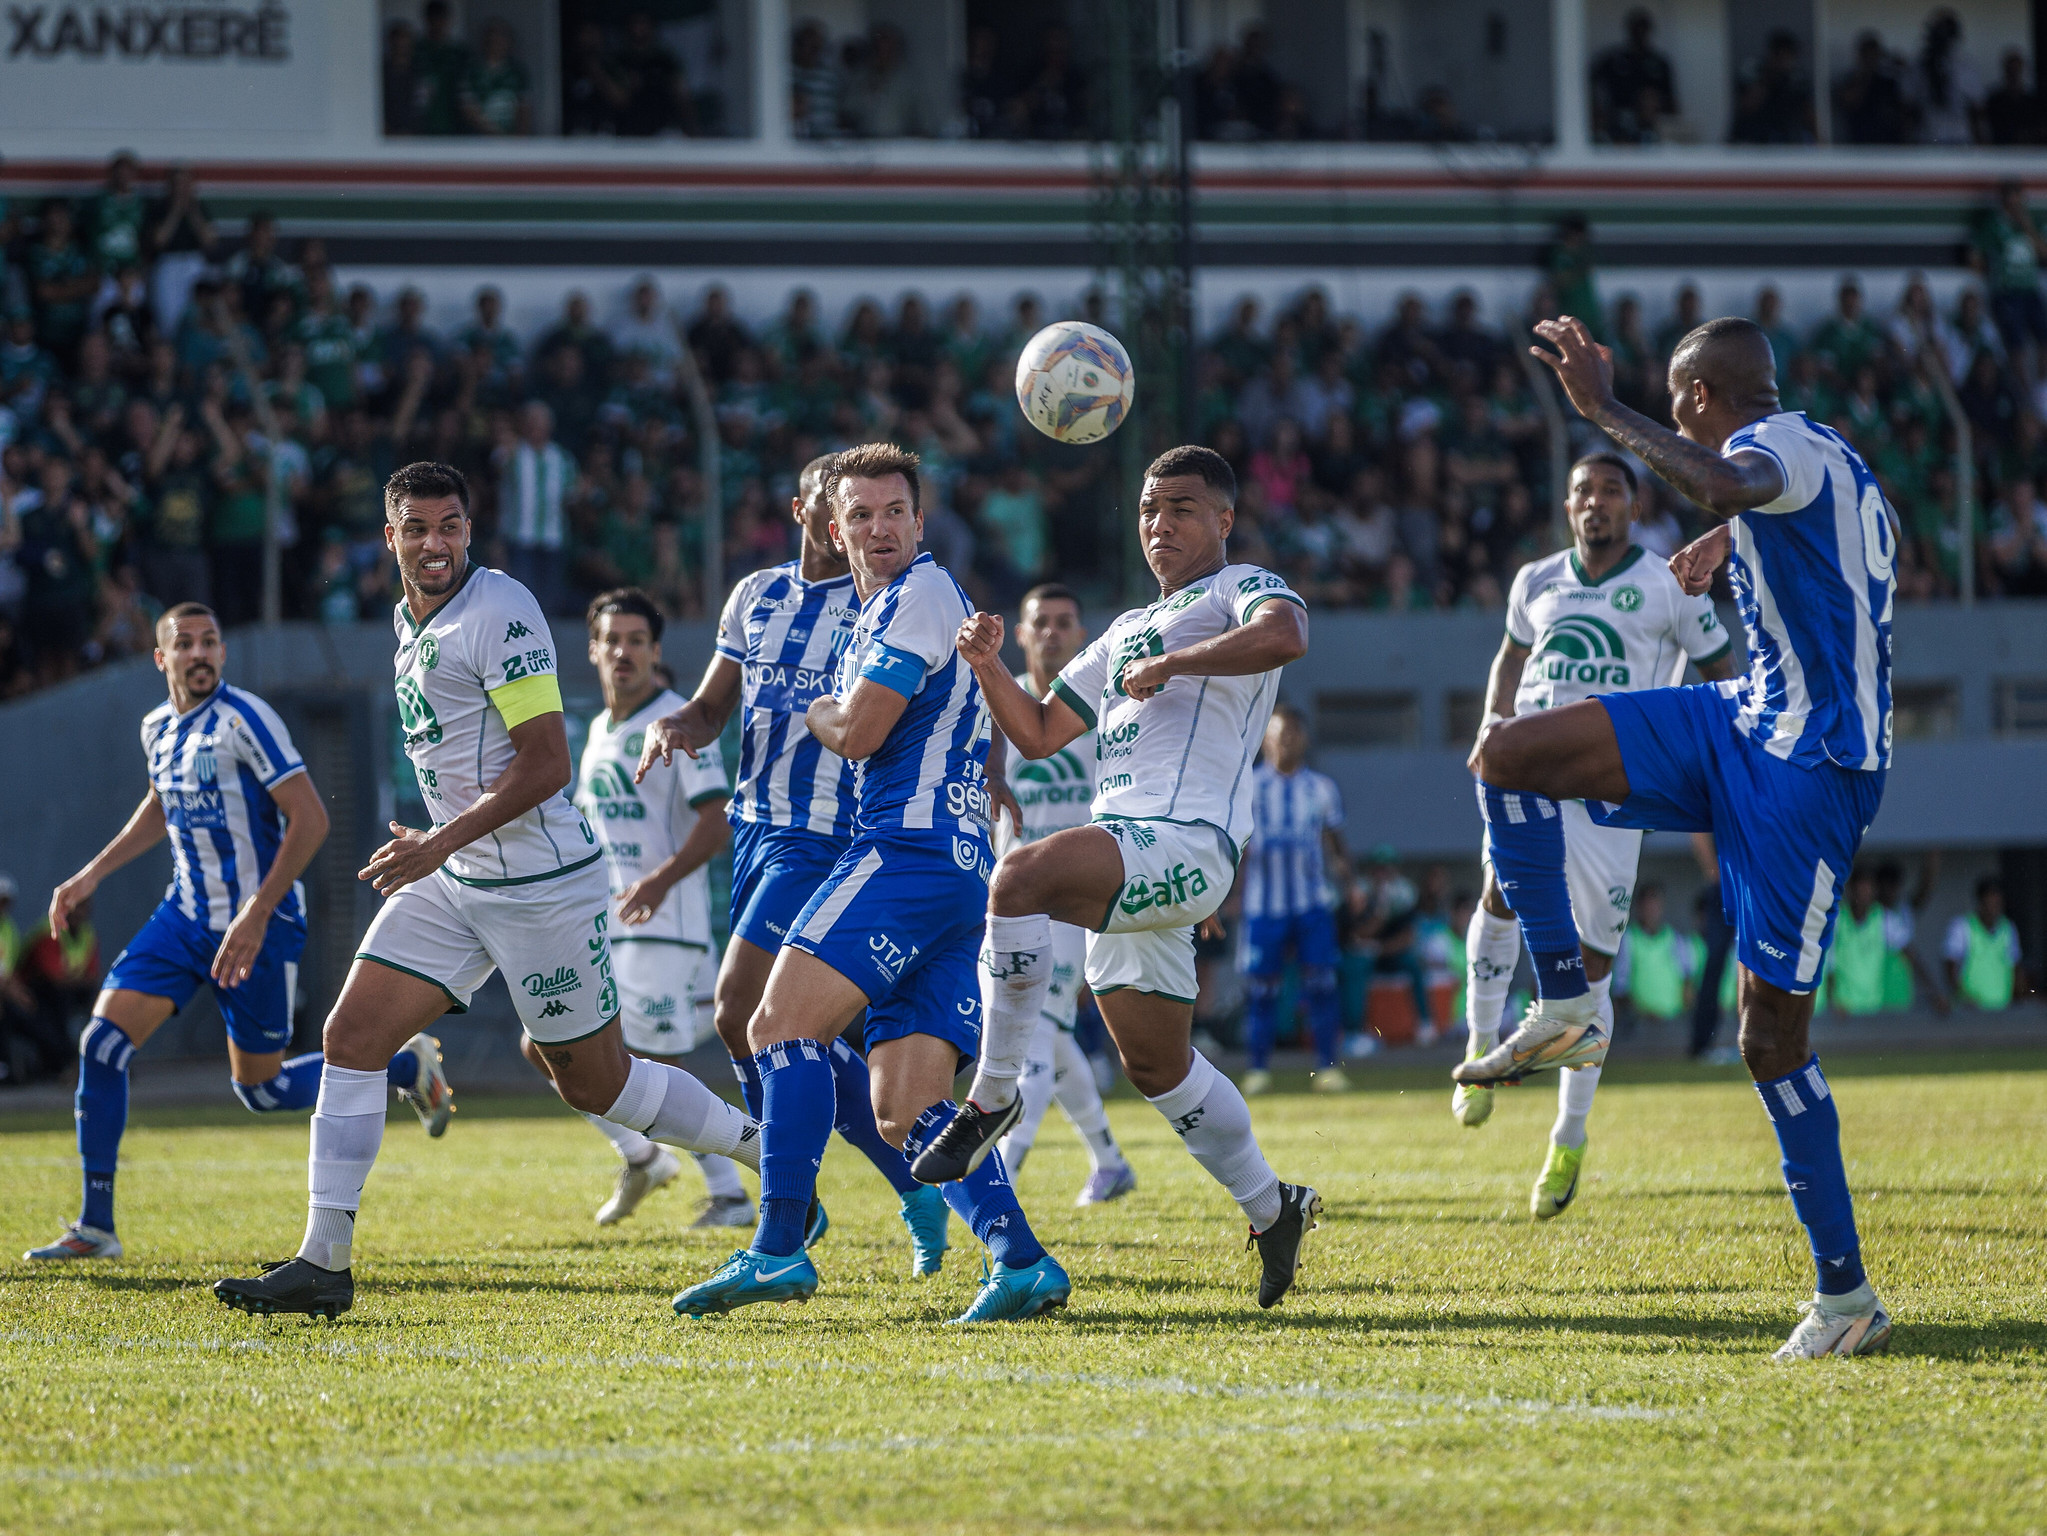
column 1392, row 462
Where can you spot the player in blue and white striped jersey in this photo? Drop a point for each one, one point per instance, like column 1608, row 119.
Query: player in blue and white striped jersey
column 895, row 929
column 1785, row 767
column 229, row 790
column 1289, row 901
column 780, row 639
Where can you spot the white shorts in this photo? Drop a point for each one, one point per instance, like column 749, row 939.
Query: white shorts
column 1599, row 866
column 1175, row 875
column 664, row 993
column 1069, row 957
column 549, row 937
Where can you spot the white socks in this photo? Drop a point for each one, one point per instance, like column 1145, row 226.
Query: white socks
column 721, row 1174
column 1215, row 1122
column 1036, row 1085
column 1575, row 1088
column 668, row 1104
column 1016, row 975
column 1492, row 946
column 1073, row 1084
column 348, row 1127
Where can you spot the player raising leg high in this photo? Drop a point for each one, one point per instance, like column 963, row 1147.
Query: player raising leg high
column 1603, row 616
column 1177, row 696
column 229, row 790
column 657, row 838
column 1784, row 767
column 1050, row 796
column 896, row 926
column 779, row 639
column 510, row 876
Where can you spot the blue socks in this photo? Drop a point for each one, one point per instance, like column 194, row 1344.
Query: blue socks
column 855, row 1118
column 297, row 1084
column 101, row 1109
column 1324, row 1018
column 749, row 1075
column 1801, row 1110
column 1525, row 836
column 1261, row 1019
column 984, row 1199
column 798, row 1098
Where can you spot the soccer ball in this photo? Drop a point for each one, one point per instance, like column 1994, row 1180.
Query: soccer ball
column 1074, row 382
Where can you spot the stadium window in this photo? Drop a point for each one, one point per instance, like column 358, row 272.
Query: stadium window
column 1926, row 711
column 1463, row 708
column 1367, row 719
column 2022, row 706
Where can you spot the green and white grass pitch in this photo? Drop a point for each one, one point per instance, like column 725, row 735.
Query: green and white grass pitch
column 1446, row 1365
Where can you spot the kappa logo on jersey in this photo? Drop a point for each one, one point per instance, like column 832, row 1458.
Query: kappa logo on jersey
column 564, row 979
column 1581, row 649
column 1174, row 888
column 515, row 631
column 554, row 1010
column 429, row 652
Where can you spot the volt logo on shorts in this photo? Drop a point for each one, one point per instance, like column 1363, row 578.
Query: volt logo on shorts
column 1772, row 950
column 1174, row 888
column 564, row 979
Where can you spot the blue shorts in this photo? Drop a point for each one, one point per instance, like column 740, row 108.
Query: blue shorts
column 1312, row 934
column 1786, row 836
column 172, row 956
column 775, row 870
column 901, row 918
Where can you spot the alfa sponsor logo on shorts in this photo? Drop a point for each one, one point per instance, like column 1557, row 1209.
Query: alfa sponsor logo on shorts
column 1176, row 887
column 563, row 980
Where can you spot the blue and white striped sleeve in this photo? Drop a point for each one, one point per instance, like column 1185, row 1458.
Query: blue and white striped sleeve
column 261, row 741
column 914, row 636
column 1799, row 453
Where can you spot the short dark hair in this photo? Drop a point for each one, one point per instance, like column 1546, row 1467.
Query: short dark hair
column 1732, row 357
column 1285, row 711
column 1608, row 457
column 1193, row 459
column 424, row 481
column 817, row 473
column 873, row 461
column 1051, row 592
column 1989, row 885
column 170, row 616
column 625, row 600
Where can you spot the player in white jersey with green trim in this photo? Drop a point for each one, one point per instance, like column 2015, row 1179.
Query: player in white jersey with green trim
column 1600, row 617
column 1177, row 695
column 509, row 876
column 658, row 837
column 1051, row 795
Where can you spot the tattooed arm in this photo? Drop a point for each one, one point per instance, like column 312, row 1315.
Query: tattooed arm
column 1723, row 486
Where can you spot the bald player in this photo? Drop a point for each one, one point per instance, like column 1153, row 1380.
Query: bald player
column 1784, row 766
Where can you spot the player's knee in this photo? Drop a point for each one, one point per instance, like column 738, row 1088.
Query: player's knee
column 1501, row 758
column 1013, row 890
column 730, row 1020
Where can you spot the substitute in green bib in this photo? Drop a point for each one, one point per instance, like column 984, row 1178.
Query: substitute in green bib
column 1856, row 970
column 1659, row 964
column 1983, row 964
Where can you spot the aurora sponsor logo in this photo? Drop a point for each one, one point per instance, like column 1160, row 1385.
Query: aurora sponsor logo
column 1579, row 648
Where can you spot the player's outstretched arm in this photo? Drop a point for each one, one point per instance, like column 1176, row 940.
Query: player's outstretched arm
column 142, row 832
column 539, row 768
column 1276, row 634
column 856, row 728
column 1037, row 729
column 305, row 828
column 1725, row 486
column 638, row 902
column 699, row 722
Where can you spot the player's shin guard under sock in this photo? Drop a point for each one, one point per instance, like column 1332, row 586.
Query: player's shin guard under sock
column 984, row 1199
column 1016, row 977
column 797, row 1092
column 297, row 1084
column 1036, row 1087
column 101, row 1110
column 669, row 1104
column 1324, row 1022
column 854, row 1118
column 1801, row 1110
column 348, row 1127
column 1261, row 1019
column 1492, row 946
column 1575, row 1089
column 721, row 1176
column 1525, row 836
column 1215, row 1123
column 749, row 1077
column 1073, row 1085
column 634, row 1147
